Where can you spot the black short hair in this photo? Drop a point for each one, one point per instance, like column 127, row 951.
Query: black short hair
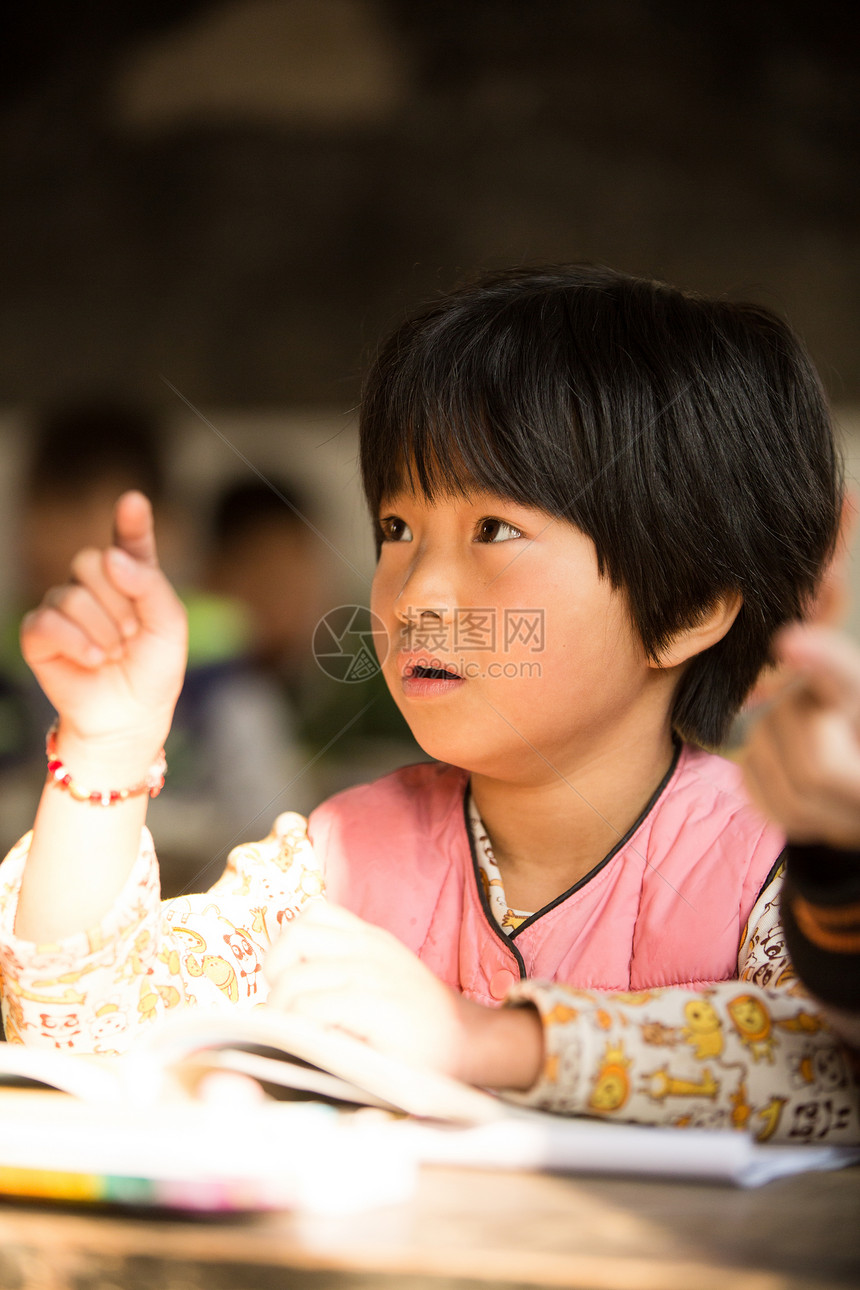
column 688, row 437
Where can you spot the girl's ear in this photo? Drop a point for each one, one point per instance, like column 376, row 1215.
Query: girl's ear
column 702, row 634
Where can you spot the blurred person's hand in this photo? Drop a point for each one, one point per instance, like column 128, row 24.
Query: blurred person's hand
column 802, row 759
column 831, row 604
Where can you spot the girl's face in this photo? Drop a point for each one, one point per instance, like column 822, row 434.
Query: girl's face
column 508, row 654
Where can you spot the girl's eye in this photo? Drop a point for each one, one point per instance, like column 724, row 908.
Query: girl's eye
column 394, row 529
column 491, row 530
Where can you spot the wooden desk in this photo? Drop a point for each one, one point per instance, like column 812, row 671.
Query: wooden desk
column 465, row 1228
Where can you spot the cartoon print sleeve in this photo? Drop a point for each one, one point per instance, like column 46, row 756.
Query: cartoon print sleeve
column 753, row 1053
column 91, row 991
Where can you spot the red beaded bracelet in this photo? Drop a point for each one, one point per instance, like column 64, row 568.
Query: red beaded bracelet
column 57, row 774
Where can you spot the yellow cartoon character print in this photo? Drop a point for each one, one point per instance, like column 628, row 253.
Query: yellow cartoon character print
column 612, row 1085
column 804, row 1023
column 658, row 1033
column 108, row 1024
column 147, row 1004
column 219, row 972
column 660, row 1084
column 512, row 919
column 752, row 1021
column 703, row 1029
column 636, row 997
column 770, row 1116
column 741, row 1108
column 560, row 1014
column 136, row 963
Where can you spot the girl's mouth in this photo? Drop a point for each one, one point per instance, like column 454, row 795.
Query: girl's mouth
column 417, row 671
column 423, row 680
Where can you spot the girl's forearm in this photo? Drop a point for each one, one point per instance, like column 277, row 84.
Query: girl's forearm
column 731, row 1056
column 82, row 853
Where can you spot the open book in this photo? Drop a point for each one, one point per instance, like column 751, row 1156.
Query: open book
column 163, row 1126
column 174, row 1055
column 169, row 1124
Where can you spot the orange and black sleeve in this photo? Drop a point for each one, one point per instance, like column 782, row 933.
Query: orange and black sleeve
column 821, row 917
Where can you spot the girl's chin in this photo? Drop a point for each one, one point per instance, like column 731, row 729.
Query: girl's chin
column 442, row 746
column 467, row 753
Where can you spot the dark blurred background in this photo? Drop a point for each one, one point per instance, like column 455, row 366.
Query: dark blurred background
column 212, row 209
column 243, row 193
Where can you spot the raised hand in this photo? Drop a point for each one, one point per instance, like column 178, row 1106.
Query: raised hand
column 108, row 647
column 802, row 760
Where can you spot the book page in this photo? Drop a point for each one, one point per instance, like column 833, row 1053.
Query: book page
column 388, row 1081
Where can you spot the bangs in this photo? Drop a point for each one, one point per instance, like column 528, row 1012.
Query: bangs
column 455, row 405
column 437, row 458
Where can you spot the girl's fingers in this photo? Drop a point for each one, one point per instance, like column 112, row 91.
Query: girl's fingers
column 47, row 635
column 114, row 594
column 308, row 981
column 81, row 608
column 371, row 1005
column 131, row 565
column 157, row 607
column 89, row 571
column 327, row 933
column 302, row 941
column 134, row 528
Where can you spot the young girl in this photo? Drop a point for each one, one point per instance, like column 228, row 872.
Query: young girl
column 595, row 499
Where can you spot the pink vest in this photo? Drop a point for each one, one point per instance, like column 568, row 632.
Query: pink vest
column 667, row 906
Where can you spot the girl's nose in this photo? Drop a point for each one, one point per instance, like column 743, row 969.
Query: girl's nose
column 427, row 630
column 422, row 618
column 428, row 591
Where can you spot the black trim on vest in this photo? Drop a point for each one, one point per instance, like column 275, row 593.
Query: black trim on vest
column 774, row 870
column 532, row 919
column 485, row 904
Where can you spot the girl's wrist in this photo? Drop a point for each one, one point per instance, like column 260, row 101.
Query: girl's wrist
column 105, row 763
column 503, row 1047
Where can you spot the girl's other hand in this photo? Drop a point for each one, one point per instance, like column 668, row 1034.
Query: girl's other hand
column 338, row 970
column 802, row 759
column 108, row 647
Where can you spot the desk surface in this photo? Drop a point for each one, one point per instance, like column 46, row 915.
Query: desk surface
column 497, row 1229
